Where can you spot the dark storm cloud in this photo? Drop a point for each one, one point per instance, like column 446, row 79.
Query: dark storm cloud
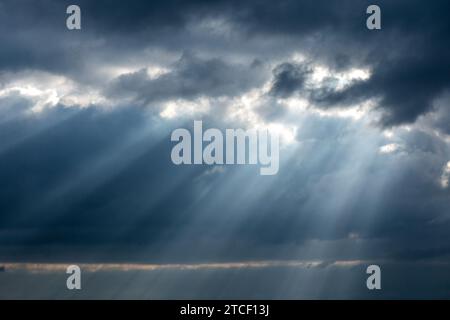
column 31, row 38
column 289, row 78
column 62, row 189
column 410, row 75
column 406, row 88
column 409, row 57
column 190, row 77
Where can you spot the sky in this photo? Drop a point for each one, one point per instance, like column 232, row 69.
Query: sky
column 86, row 175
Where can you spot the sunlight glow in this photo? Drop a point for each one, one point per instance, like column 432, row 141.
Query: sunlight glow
column 341, row 80
column 180, row 107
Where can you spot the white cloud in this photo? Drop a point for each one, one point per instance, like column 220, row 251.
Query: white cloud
column 342, row 80
column 46, row 90
column 445, row 176
column 389, row 148
column 180, row 107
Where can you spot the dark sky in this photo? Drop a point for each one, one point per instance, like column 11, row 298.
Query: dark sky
column 364, row 117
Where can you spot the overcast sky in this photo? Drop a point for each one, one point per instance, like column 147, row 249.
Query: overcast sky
column 363, row 115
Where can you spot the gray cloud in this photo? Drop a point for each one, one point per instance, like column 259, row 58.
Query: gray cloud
column 289, row 78
column 190, row 77
column 408, row 56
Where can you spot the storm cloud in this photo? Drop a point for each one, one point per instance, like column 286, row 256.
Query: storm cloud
column 86, row 117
